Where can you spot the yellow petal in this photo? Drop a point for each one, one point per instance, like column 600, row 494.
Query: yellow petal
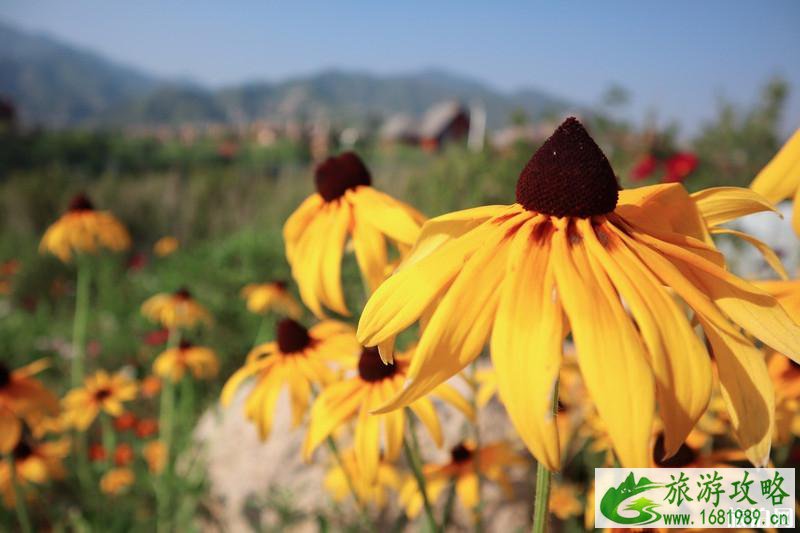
column 610, row 353
column 330, row 265
column 746, row 389
column 527, row 344
column 367, row 439
column 677, row 211
column 781, row 177
column 462, row 321
column 769, row 255
column 424, row 410
column 679, row 360
column 307, row 265
column 332, row 408
column 298, row 223
column 10, row 430
column 449, row 394
column 402, row 298
column 467, row 490
column 385, row 213
column 370, row 248
column 719, row 205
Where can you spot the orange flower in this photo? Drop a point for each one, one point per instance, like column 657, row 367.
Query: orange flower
column 101, row 392
column 176, row 310
column 117, row 480
column 166, row 246
column 22, row 397
column 124, row 422
column 150, row 386
column 155, row 453
column 123, row 455
column 146, row 427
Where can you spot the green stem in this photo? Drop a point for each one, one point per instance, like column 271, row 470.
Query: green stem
column 413, row 458
column 80, row 322
column 476, row 456
column 109, row 438
column 262, row 328
column 19, row 499
column 165, row 425
column 542, row 495
column 362, row 510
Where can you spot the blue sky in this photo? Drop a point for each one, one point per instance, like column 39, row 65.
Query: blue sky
column 676, row 57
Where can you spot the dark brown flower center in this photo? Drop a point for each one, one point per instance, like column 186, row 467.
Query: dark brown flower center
column 372, row 368
column 185, row 344
column 460, row 453
column 569, row 176
column 292, row 336
column 102, row 394
column 281, row 284
column 683, row 457
column 183, row 294
column 22, row 450
column 5, row 375
column 337, row 174
column 80, row 202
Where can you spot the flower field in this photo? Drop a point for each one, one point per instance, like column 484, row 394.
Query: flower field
column 424, row 341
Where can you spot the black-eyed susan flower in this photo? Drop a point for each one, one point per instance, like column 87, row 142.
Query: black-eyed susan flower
column 576, row 254
column 22, row 397
column 354, row 398
column 345, row 204
column 175, row 310
column 780, row 179
column 298, row 359
column 155, row 454
column 376, row 491
column 175, row 362
column 116, row 481
column 165, row 246
column 262, row 298
column 101, row 392
column 82, row 229
column 34, row 463
column 466, row 463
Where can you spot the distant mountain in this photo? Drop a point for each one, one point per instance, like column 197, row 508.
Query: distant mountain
column 55, row 84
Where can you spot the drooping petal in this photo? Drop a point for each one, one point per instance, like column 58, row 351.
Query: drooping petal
column 10, row 430
column 780, row 178
column 448, row 345
column 370, row 248
column 611, row 355
column 770, row 256
column 367, row 437
column 402, row 298
column 746, row 389
column 719, row 205
column 679, row 360
column 298, row 223
column 385, row 213
column 750, row 307
column 330, row 266
column 307, row 265
column 467, row 490
column 526, row 345
column 426, row 413
column 677, row 211
column 332, row 408
column 450, row 395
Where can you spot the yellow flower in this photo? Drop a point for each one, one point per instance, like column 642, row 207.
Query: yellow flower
column 117, row 480
column 577, row 254
column 785, row 374
column 564, row 502
column 174, row 362
column 355, row 398
column 83, row 230
column 462, row 469
column 375, row 491
column 34, row 464
column 298, row 359
column 101, row 391
column 265, row 297
column 787, row 292
column 780, row 179
column 155, row 453
column 345, row 204
column 176, row 310
column 166, row 246
column 22, row 398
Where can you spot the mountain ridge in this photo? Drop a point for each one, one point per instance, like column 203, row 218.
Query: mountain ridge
column 55, row 84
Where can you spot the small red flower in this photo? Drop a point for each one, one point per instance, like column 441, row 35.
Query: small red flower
column 125, row 422
column 146, row 427
column 97, row 452
column 157, row 337
column 644, row 168
column 679, row 166
column 123, row 455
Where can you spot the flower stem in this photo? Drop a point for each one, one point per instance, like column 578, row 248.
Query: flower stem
column 80, row 322
column 542, row 495
column 109, row 439
column 19, row 499
column 362, row 510
column 165, row 425
column 413, row 458
column 477, row 437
